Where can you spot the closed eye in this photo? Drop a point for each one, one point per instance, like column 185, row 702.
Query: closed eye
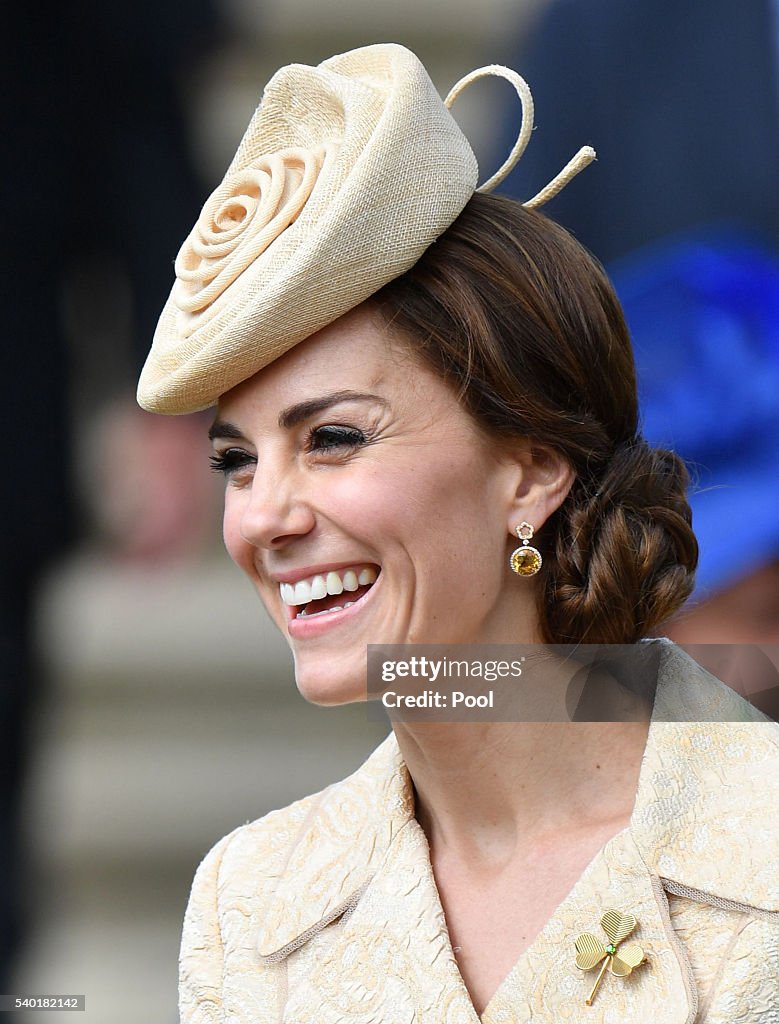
column 230, row 460
column 332, row 436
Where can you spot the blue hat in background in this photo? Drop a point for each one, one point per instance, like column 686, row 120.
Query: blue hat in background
column 704, row 316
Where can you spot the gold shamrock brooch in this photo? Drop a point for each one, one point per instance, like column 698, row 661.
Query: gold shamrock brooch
column 590, row 950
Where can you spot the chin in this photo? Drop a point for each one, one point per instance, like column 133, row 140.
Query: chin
column 329, row 685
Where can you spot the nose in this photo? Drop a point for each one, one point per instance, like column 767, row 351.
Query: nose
column 276, row 511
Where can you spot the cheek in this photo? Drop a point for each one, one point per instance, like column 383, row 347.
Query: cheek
column 375, row 504
column 447, row 514
column 466, row 534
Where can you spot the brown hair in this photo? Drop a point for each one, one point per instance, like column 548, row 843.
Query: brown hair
column 523, row 322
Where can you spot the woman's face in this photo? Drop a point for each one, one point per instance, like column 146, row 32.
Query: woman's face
column 350, row 467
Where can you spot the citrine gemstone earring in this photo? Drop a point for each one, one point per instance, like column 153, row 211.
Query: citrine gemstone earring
column 525, row 560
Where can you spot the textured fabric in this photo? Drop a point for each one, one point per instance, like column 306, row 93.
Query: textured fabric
column 327, row 911
column 347, row 172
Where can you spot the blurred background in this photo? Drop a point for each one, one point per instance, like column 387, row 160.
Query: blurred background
column 146, row 705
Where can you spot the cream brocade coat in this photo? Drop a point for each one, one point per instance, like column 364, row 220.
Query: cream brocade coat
column 327, row 912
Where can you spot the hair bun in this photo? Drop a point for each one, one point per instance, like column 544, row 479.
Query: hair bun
column 626, row 554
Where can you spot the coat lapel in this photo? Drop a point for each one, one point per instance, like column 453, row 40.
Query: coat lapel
column 337, row 850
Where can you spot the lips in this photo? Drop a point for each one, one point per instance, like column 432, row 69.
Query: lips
column 319, row 617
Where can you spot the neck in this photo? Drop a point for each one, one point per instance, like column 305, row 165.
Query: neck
column 485, row 789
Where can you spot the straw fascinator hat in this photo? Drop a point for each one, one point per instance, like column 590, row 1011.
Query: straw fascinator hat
column 346, row 174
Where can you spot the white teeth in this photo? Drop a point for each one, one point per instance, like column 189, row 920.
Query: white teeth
column 316, row 587
column 349, row 604
column 334, row 584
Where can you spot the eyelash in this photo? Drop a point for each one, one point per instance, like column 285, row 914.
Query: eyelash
column 230, row 460
column 341, row 437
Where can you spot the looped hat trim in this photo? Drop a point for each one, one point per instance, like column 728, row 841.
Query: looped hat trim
column 582, row 159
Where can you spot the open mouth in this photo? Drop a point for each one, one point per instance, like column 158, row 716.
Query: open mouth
column 328, row 592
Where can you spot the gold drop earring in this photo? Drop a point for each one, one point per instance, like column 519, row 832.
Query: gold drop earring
column 525, row 560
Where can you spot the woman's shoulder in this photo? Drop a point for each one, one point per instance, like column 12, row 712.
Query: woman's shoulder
column 270, row 880
column 234, row 896
column 261, row 849
column 688, row 692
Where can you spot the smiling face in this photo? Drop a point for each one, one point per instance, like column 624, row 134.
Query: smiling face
column 355, row 481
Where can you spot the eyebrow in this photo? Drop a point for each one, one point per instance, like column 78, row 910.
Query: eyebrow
column 221, row 428
column 296, row 414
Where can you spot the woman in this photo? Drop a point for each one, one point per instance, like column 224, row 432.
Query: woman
column 409, row 377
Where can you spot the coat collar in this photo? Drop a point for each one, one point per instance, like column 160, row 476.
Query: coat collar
column 702, row 787
column 705, row 811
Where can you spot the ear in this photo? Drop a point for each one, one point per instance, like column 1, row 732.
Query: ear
column 542, row 483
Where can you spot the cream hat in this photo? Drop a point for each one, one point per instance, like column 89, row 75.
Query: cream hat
column 346, row 174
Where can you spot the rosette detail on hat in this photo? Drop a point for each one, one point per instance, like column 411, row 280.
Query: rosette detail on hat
column 239, row 221
column 346, row 174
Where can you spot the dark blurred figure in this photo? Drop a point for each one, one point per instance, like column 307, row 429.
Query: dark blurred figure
column 680, row 101
column 94, row 161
